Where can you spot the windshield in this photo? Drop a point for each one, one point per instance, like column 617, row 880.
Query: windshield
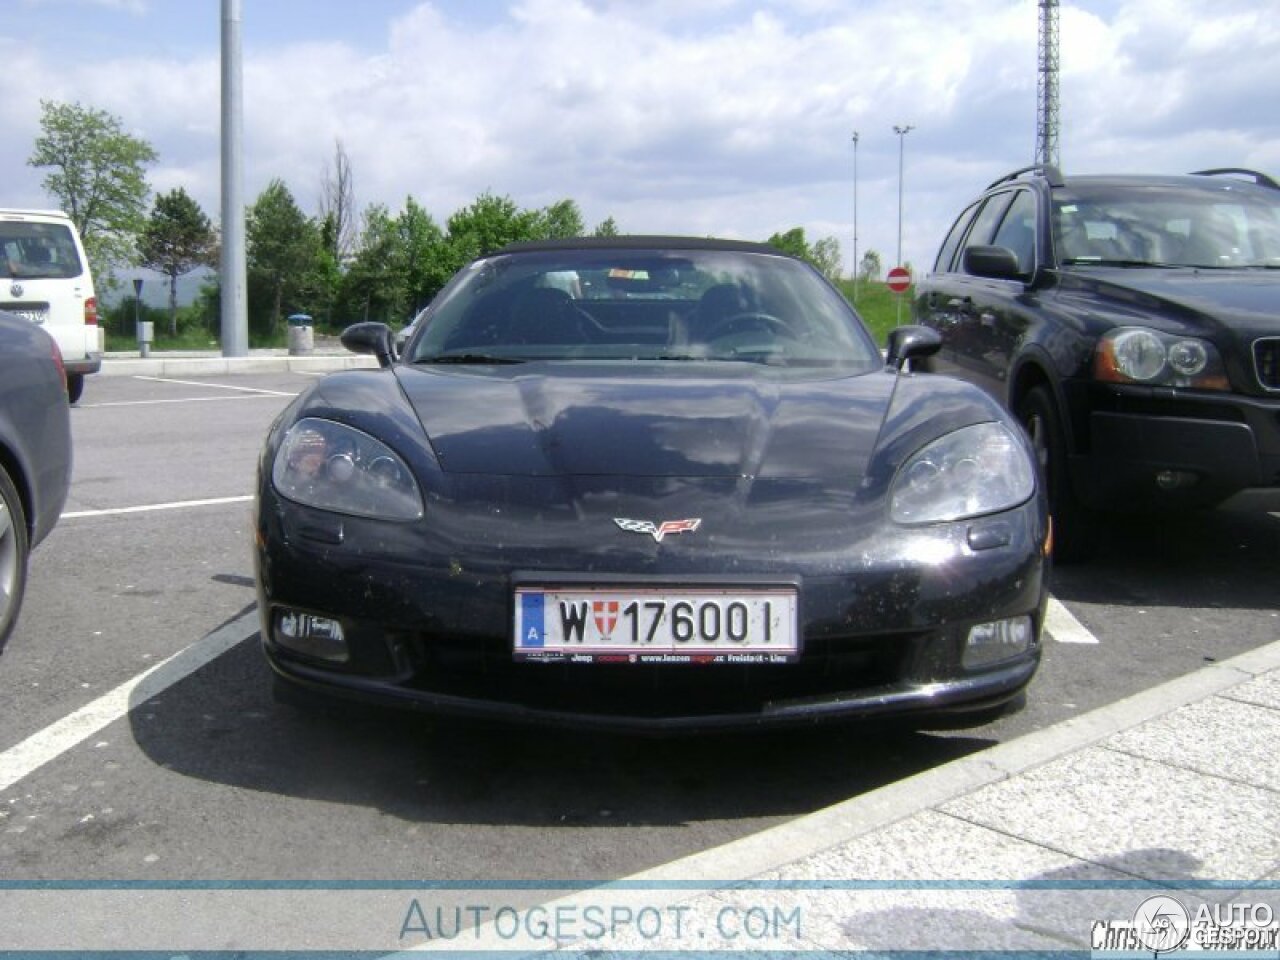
column 1168, row 225
column 610, row 304
column 37, row 250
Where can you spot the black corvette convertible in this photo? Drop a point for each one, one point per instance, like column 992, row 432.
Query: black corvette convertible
column 653, row 484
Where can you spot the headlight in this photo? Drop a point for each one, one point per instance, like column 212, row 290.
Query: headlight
column 975, row 470
column 334, row 467
column 1140, row 355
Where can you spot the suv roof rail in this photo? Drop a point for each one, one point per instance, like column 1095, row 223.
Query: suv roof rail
column 1047, row 170
column 1261, row 179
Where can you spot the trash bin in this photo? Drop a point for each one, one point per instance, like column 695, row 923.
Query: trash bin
column 301, row 335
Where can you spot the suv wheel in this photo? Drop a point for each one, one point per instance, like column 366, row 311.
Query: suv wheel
column 75, row 386
column 13, row 555
column 1074, row 524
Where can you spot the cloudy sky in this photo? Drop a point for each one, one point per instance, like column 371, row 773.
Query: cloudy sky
column 723, row 117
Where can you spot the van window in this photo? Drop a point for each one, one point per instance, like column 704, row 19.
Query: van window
column 37, row 250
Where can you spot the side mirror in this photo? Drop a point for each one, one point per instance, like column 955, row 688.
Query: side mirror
column 370, row 338
column 911, row 342
column 997, row 263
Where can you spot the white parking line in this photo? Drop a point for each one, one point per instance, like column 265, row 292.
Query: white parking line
column 54, row 740
column 148, row 508
column 152, row 403
column 1063, row 627
column 220, row 386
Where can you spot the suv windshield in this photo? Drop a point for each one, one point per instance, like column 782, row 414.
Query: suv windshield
column 697, row 305
column 37, row 250
column 1168, row 225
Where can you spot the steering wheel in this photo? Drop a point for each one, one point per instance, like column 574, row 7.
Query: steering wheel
column 750, row 320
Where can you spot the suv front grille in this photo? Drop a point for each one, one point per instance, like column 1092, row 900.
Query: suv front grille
column 1266, row 360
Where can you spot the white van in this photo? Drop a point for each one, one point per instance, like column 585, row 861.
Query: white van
column 44, row 276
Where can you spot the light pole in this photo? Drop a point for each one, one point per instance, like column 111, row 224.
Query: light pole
column 902, row 132
column 855, row 216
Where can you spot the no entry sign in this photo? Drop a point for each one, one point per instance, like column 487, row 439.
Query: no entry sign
column 898, row 279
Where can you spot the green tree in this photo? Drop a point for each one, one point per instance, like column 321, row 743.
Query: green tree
column 607, row 228
column 422, row 251
column 488, row 224
column 870, row 266
column 560, row 220
column 97, row 176
column 375, row 282
column 284, row 255
column 175, row 240
column 825, row 255
column 792, row 242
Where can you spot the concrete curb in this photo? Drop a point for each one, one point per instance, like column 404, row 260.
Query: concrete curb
column 211, row 366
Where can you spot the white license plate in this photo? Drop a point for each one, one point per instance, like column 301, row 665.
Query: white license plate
column 35, row 316
column 643, row 625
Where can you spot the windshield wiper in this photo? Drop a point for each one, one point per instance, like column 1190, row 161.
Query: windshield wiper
column 475, row 358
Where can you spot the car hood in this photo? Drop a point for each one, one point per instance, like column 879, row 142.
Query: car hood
column 1244, row 297
column 575, row 420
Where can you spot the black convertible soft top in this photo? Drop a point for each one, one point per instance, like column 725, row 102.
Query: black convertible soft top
column 640, row 242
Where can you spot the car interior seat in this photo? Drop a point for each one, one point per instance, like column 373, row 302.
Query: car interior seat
column 545, row 315
column 717, row 305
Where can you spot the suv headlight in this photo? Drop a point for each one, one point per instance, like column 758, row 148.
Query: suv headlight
column 972, row 471
column 1154, row 358
column 335, row 467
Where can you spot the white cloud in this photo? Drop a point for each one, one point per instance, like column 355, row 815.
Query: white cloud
column 699, row 116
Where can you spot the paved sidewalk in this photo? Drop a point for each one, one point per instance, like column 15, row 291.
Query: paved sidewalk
column 1028, row 846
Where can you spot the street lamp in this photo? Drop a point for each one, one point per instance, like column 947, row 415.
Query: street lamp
column 855, row 216
column 902, row 139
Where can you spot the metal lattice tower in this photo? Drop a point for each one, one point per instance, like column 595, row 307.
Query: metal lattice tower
column 1047, row 91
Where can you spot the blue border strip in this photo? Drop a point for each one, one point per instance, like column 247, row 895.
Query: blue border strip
column 560, row 955
column 585, row 886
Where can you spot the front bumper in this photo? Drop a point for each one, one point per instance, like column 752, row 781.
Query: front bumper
column 1154, row 448
column 883, row 630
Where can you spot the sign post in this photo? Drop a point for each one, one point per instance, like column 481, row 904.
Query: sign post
column 898, row 280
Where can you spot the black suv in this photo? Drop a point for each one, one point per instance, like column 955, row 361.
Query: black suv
column 1132, row 323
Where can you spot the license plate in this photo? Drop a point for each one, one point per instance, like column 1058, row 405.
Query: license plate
column 35, row 316
column 707, row 625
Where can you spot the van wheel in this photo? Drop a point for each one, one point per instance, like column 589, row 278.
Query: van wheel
column 75, row 386
column 1075, row 526
column 13, row 555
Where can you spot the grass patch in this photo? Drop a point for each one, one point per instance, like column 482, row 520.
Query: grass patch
column 878, row 306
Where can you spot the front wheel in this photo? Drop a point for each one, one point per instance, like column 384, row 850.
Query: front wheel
column 14, row 548
column 1074, row 524
column 75, row 386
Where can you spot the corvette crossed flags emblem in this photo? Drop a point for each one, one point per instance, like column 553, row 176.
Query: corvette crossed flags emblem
column 658, row 530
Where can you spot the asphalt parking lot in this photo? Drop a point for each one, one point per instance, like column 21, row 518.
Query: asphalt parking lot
column 197, row 774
